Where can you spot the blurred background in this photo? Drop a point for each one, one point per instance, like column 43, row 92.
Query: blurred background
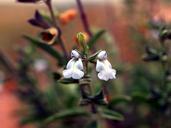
column 126, row 21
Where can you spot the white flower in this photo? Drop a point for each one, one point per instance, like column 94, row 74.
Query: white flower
column 74, row 68
column 104, row 68
column 40, row 65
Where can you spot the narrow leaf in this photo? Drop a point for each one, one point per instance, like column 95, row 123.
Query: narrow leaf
column 95, row 38
column 140, row 98
column 94, row 56
column 68, row 81
column 119, row 100
column 30, row 119
column 46, row 48
column 111, row 115
column 67, row 113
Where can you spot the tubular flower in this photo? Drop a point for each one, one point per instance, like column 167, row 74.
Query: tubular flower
column 74, row 68
column 104, row 68
column 39, row 21
column 67, row 16
column 49, row 35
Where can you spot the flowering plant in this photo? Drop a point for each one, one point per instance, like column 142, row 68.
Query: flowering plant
column 76, row 69
column 88, row 86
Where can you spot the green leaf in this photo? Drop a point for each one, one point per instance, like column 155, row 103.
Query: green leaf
column 140, row 98
column 111, row 115
column 93, row 57
column 68, row 81
column 30, row 119
column 56, row 76
column 165, row 34
column 119, row 100
column 67, row 113
column 95, row 38
column 93, row 124
column 46, row 48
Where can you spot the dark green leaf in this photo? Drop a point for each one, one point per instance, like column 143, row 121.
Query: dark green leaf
column 165, row 34
column 118, row 100
column 30, row 119
column 93, row 124
column 111, row 115
column 93, row 57
column 46, row 48
column 95, row 38
column 99, row 98
column 66, row 114
column 56, row 75
column 140, row 98
column 68, row 81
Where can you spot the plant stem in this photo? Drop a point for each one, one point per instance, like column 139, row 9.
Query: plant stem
column 4, row 60
column 164, row 64
column 59, row 39
column 49, row 5
column 106, row 93
column 84, row 18
column 85, row 86
column 163, row 86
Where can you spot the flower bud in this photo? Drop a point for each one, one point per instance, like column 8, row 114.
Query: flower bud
column 49, row 35
column 82, row 37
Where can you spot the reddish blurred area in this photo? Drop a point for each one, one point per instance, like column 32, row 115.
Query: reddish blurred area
column 111, row 17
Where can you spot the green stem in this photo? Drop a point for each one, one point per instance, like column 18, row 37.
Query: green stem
column 85, row 86
column 164, row 82
column 164, row 64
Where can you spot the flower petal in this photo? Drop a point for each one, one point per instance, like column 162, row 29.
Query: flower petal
column 107, row 74
column 103, row 76
column 79, row 64
column 113, row 74
column 67, row 73
column 102, row 55
column 40, row 65
column 99, row 66
column 70, row 64
column 75, row 54
column 107, row 63
column 77, row 74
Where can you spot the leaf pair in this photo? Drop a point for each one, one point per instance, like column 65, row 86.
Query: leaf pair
column 77, row 112
column 74, row 112
column 97, row 99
